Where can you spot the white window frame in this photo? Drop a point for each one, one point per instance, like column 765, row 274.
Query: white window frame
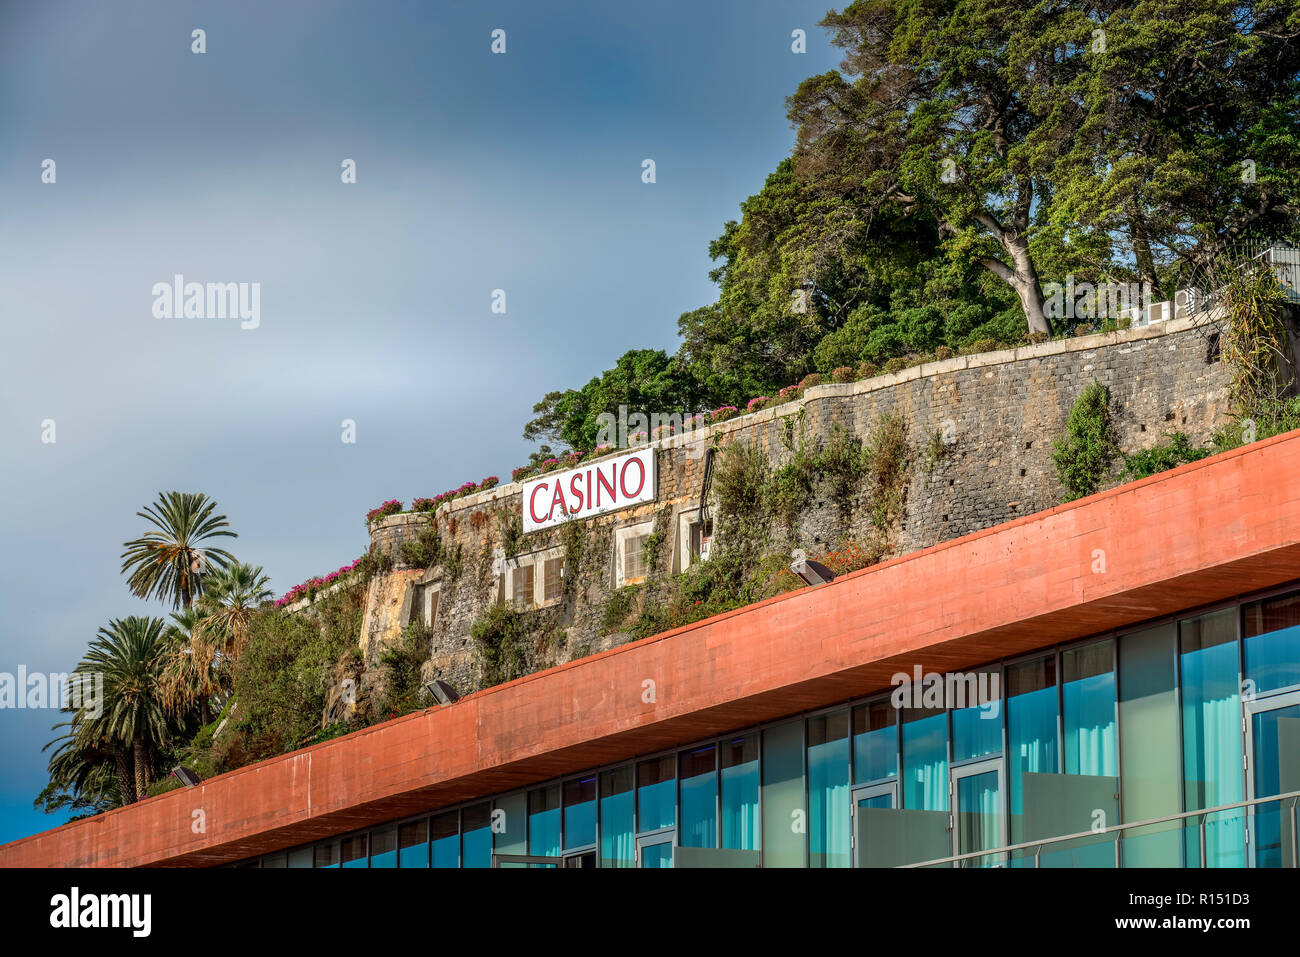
column 687, row 522
column 621, row 537
column 410, row 613
column 536, row 561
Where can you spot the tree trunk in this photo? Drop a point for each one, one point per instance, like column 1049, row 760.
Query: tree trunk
column 125, row 777
column 1021, row 275
column 1146, row 263
column 141, row 769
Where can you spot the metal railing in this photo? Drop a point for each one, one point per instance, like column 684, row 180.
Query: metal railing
column 1119, row 829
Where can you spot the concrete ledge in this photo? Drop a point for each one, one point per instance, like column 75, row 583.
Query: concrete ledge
column 1201, row 533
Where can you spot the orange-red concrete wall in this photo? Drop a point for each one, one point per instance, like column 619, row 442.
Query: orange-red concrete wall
column 1201, row 533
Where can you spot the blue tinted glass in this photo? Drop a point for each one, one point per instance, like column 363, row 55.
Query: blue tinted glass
column 1212, row 763
column 1031, row 737
column 544, row 833
column 413, row 844
column 657, row 793
column 477, row 848
column 875, row 742
column 617, row 811
column 446, row 851
column 828, row 790
column 383, row 847
column 1276, row 736
column 1090, row 751
column 699, row 825
column 976, row 730
column 925, row 761
column 657, row 855
column 739, row 782
column 1272, row 642
column 580, row 812
column 1090, row 746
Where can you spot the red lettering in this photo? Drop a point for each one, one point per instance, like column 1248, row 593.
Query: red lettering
column 606, row 483
column 532, row 500
column 623, row 478
column 574, row 492
column 558, row 499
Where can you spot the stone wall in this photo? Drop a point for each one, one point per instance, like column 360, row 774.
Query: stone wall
column 1003, row 410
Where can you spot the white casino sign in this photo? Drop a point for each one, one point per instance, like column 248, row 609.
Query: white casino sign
column 592, row 490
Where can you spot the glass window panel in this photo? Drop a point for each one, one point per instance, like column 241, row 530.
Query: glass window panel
column 301, row 857
column 327, row 855
column 1091, row 759
column 783, row 797
column 1212, row 768
column 875, row 741
column 1276, row 769
column 553, row 578
column 975, row 697
column 476, row 836
column 580, row 812
column 1148, row 720
column 657, row 855
column 617, row 814
column 828, row 790
column 925, row 759
column 354, row 850
column 510, row 824
column 413, row 844
column 634, row 557
column 444, row 840
column 738, row 764
column 383, row 847
column 521, row 581
column 1272, row 642
column 1031, row 746
column 699, row 797
column 277, row 860
column 656, row 793
column 544, row 822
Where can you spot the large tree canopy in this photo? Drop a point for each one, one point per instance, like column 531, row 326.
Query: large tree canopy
column 967, row 153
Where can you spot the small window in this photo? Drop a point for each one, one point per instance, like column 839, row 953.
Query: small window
column 424, row 604
column 553, row 579
column 634, row 557
column 695, row 539
column 631, row 564
column 521, row 592
column 701, row 540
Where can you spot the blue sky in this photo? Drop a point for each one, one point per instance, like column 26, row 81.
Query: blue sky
column 475, row 172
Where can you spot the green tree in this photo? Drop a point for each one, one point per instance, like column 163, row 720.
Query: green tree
column 1189, row 130
column 190, row 675
column 644, row 381
column 170, row 561
column 1083, row 457
column 129, row 655
column 231, row 595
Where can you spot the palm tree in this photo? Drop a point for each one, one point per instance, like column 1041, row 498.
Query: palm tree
column 231, row 596
column 169, row 562
column 129, row 653
column 189, row 674
column 82, row 772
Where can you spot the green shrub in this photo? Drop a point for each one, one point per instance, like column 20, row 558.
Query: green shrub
column 424, row 549
column 402, row 687
column 1161, row 458
column 504, row 640
column 1083, row 457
